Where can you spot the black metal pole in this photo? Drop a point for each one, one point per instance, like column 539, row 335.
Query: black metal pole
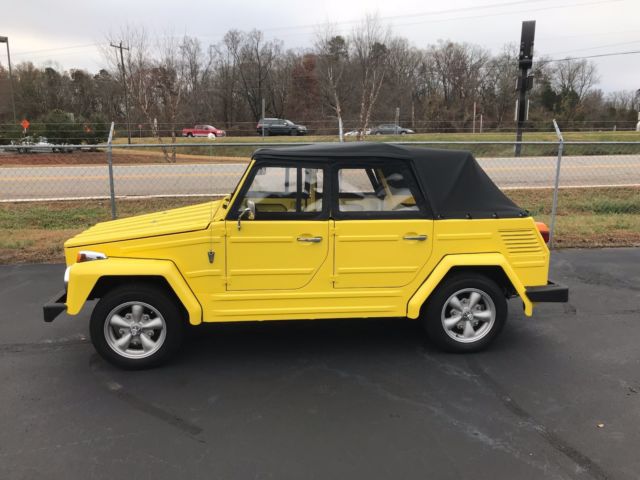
column 521, row 111
column 524, row 83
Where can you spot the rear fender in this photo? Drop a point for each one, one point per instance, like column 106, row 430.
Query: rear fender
column 84, row 276
column 466, row 260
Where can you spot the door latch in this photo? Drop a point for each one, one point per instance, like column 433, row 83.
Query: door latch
column 211, row 254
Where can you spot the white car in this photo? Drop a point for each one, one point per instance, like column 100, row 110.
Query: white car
column 42, row 145
column 355, row 133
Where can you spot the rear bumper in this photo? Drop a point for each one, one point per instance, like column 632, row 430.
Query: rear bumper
column 552, row 292
column 55, row 306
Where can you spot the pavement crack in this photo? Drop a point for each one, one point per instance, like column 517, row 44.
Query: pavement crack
column 470, row 430
column 43, row 346
column 554, row 440
column 142, row 405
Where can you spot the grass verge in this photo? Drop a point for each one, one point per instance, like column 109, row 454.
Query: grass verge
column 587, row 217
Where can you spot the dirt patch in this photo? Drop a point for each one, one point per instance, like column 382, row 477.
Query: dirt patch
column 33, row 245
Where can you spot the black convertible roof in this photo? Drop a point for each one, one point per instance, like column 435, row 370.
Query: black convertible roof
column 454, row 182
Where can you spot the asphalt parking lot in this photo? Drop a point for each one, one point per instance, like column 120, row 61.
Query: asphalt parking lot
column 557, row 396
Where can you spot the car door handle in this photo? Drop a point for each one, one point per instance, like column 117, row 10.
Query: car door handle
column 310, row 239
column 419, row 238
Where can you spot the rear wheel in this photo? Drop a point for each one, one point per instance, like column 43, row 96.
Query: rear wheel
column 465, row 313
column 136, row 326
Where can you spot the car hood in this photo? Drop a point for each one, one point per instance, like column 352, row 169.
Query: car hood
column 178, row 220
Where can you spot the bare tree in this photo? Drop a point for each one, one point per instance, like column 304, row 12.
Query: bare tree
column 498, row 95
column 255, row 59
column 459, row 71
column 333, row 57
column 225, row 79
column 402, row 82
column 369, row 45
column 577, row 76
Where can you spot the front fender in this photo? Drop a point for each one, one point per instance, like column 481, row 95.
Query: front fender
column 84, row 276
column 466, row 260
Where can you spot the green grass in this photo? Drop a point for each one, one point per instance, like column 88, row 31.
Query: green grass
column 587, row 217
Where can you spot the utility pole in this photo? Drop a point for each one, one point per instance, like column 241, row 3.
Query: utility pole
column 13, row 101
column 263, row 119
column 124, row 84
column 397, row 120
column 525, row 81
column 474, row 117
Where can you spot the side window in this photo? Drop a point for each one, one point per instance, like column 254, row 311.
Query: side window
column 377, row 188
column 285, row 191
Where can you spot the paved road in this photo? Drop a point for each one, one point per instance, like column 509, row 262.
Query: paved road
column 333, row 400
column 39, row 182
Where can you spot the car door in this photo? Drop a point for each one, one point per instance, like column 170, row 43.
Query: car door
column 286, row 243
column 383, row 230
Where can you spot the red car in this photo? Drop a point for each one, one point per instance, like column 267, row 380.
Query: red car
column 203, row 131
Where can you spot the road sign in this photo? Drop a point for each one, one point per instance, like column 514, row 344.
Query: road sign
column 25, row 123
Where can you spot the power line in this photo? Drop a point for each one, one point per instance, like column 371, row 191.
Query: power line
column 611, row 54
column 455, row 18
column 496, row 14
column 595, row 48
column 412, row 15
column 71, row 47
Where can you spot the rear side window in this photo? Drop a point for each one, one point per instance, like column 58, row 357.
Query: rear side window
column 385, row 190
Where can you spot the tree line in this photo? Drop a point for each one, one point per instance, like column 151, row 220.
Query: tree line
column 359, row 79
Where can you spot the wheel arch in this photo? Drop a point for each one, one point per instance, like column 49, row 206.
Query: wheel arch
column 109, row 282
column 93, row 279
column 492, row 265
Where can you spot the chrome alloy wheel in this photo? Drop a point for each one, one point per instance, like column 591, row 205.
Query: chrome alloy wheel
column 468, row 315
column 135, row 330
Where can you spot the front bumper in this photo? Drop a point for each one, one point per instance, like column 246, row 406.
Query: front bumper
column 552, row 292
column 55, row 306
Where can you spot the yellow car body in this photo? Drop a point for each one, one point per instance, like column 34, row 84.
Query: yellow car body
column 221, row 269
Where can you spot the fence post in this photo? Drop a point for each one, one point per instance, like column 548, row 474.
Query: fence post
column 554, row 206
column 110, row 163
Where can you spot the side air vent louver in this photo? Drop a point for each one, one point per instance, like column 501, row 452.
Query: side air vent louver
column 521, row 241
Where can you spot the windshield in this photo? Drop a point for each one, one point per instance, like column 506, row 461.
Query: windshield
column 288, row 122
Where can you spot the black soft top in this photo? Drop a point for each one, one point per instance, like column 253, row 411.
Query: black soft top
column 453, row 181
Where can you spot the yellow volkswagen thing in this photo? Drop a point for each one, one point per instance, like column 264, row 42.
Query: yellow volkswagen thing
column 355, row 230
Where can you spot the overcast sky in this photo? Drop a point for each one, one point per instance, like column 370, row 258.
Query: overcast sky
column 67, row 32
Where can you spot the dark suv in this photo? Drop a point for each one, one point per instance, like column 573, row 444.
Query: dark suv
column 390, row 129
column 279, row 126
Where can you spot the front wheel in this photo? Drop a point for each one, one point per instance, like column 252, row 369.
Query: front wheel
column 465, row 313
column 136, row 326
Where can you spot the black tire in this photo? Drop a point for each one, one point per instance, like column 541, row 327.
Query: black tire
column 189, row 135
column 142, row 295
column 293, row 132
column 438, row 308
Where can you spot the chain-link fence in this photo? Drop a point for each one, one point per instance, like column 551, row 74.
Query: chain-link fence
column 213, row 167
